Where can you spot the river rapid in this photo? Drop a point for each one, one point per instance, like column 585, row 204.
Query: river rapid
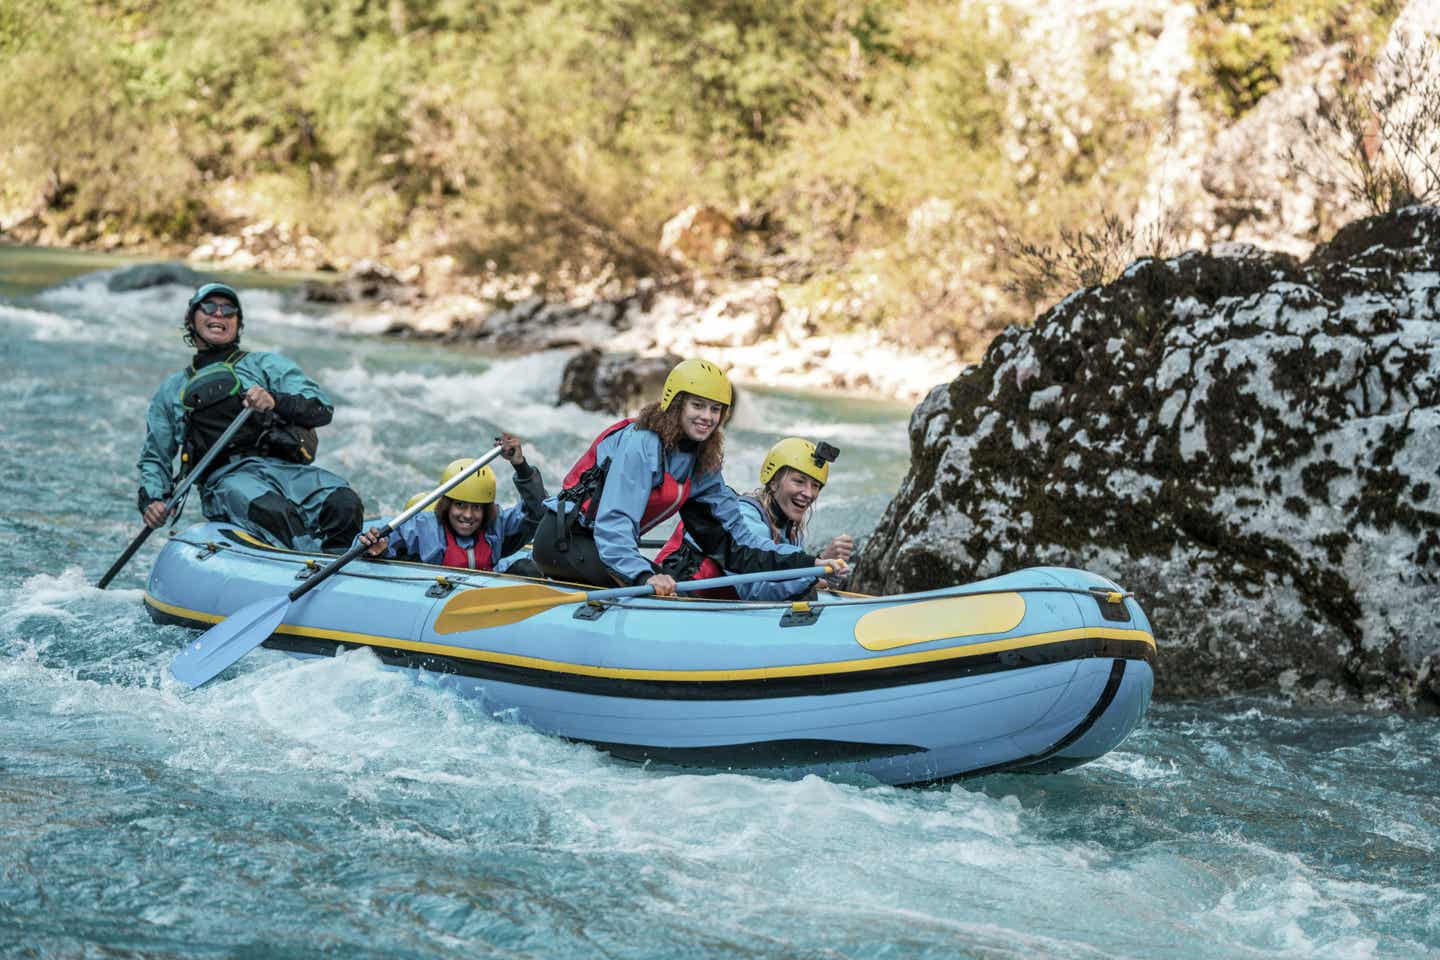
column 329, row 807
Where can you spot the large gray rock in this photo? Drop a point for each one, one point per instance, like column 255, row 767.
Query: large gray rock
column 615, row 383
column 1250, row 444
column 143, row 276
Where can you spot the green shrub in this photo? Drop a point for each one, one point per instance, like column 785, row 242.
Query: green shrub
column 1243, row 45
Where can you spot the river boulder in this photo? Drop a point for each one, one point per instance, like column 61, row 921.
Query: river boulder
column 618, row 383
column 1249, row 443
column 143, row 276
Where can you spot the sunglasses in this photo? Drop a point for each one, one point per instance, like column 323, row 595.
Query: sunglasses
column 210, row 308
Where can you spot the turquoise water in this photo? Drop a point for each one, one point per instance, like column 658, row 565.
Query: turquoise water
column 331, row 808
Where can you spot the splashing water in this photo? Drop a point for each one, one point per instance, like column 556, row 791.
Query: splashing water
column 334, row 807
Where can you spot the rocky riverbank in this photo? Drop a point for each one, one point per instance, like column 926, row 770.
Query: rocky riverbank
column 1249, row 442
column 745, row 327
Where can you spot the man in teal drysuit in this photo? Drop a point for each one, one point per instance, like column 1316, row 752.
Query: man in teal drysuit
column 263, row 480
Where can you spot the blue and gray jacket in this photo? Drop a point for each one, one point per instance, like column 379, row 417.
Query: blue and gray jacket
column 422, row 537
column 711, row 511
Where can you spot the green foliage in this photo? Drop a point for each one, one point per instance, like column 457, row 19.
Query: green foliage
column 880, row 142
column 1243, row 45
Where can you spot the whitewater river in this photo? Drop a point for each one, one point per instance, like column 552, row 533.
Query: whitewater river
column 341, row 810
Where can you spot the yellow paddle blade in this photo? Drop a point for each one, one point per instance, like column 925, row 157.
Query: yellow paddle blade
column 497, row 606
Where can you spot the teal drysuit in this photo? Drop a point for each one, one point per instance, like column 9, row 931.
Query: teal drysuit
column 296, row 505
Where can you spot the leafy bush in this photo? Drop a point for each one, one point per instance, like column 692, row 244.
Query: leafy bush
column 875, row 147
column 1244, row 45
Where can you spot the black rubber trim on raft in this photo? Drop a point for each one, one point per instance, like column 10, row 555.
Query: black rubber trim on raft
column 808, row 686
column 819, row 684
column 1042, row 762
column 764, row 755
column 768, row 754
column 777, row 754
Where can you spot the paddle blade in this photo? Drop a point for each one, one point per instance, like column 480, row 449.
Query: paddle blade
column 497, row 606
column 206, row 656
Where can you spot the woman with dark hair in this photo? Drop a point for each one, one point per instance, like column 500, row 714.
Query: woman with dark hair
column 641, row 471
column 791, row 478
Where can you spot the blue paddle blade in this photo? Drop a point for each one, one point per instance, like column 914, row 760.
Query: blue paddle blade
column 206, row 656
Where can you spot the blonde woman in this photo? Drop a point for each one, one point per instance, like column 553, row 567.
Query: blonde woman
column 791, row 478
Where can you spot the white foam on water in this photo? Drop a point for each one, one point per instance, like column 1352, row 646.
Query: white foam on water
column 516, row 393
column 884, row 436
column 43, row 325
column 1282, row 904
column 1137, row 767
column 52, row 595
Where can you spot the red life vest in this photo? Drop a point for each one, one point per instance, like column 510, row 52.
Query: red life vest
column 664, row 501
column 474, row 558
column 708, row 569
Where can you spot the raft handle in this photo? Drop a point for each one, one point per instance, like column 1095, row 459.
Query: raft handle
column 590, row 611
column 304, row 572
column 441, row 587
column 1112, row 604
column 210, row 549
column 800, row 614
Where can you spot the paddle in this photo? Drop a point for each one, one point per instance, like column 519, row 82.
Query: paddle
column 179, row 493
column 230, row 639
column 497, row 606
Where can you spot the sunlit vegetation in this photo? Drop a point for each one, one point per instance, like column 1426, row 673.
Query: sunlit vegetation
column 874, row 154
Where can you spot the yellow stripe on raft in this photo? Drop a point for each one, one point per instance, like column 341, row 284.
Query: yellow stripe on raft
column 944, row 619
column 701, row 676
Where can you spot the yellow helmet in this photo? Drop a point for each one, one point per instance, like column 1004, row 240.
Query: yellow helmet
column 799, row 454
column 416, row 499
column 476, row 488
column 699, row 377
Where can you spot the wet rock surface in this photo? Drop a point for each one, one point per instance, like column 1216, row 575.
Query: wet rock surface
column 146, row 275
column 615, row 383
column 1249, row 443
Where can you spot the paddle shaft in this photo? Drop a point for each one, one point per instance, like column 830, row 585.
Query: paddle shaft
column 180, row 490
column 385, row 531
column 683, row 586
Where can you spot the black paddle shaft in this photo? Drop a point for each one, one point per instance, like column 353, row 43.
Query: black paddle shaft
column 355, row 550
column 124, row 558
column 334, row 566
column 179, row 493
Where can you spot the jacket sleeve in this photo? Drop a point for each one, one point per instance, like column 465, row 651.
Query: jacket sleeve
column 162, row 442
column 712, row 518
column 404, row 540
column 768, row 590
column 298, row 399
column 631, row 477
column 519, row 522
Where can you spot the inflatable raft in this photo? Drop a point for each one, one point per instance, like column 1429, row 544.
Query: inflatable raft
column 1037, row 670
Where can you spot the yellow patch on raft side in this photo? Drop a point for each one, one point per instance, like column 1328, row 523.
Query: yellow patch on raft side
column 944, row 619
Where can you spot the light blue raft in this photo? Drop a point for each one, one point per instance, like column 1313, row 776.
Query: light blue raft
column 1037, row 670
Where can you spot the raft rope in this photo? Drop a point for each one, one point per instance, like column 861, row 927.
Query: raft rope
column 633, row 603
column 642, row 603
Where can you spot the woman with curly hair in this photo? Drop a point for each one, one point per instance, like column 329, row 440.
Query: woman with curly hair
column 642, row 471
